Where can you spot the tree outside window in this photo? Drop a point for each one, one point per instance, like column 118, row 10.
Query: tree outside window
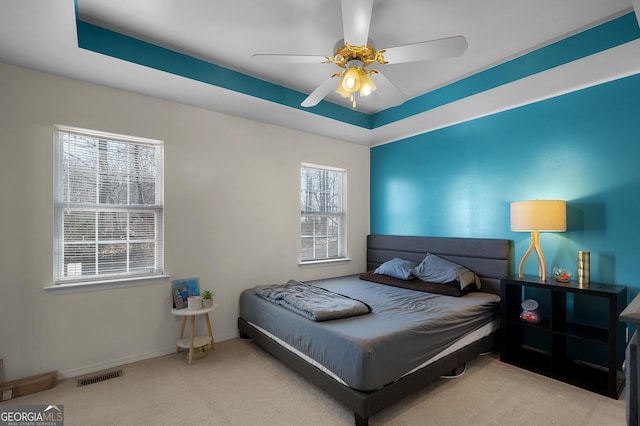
column 322, row 213
column 108, row 206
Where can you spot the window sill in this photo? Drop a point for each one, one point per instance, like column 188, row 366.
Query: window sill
column 82, row 287
column 323, row 262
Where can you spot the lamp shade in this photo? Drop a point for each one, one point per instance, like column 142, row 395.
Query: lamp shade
column 539, row 215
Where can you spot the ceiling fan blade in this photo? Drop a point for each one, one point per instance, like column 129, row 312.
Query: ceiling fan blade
column 288, row 59
column 321, row 91
column 356, row 18
column 433, row 49
column 388, row 91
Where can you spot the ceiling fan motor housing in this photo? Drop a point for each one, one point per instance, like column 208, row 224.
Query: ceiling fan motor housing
column 345, row 53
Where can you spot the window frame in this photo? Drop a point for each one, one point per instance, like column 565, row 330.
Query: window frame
column 129, row 277
column 341, row 213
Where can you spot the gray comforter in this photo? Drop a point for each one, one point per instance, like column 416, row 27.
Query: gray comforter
column 312, row 302
column 404, row 329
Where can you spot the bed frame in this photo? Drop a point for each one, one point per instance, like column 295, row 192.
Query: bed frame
column 489, row 258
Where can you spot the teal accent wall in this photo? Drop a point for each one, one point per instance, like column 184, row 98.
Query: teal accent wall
column 583, row 147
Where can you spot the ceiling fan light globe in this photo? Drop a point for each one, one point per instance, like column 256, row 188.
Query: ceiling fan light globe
column 366, row 85
column 342, row 92
column 351, row 80
column 349, row 83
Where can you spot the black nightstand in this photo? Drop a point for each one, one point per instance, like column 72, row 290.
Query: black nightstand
column 579, row 339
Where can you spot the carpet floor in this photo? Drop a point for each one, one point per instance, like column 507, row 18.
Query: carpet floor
column 239, row 384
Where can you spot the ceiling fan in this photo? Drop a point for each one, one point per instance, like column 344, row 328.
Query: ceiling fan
column 356, row 52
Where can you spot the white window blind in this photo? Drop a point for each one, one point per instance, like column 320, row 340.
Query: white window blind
column 322, row 213
column 108, row 206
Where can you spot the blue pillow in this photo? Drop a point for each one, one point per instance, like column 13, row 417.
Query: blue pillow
column 435, row 269
column 397, row 268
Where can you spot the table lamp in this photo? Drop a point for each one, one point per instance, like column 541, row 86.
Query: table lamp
column 537, row 216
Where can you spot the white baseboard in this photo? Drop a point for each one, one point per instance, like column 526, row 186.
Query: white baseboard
column 88, row 369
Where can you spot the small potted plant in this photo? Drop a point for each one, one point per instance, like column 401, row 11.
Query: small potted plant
column 207, row 298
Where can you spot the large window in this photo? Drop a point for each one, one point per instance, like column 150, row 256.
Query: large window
column 322, row 213
column 108, row 206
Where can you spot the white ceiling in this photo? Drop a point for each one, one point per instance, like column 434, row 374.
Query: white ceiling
column 227, row 33
column 41, row 35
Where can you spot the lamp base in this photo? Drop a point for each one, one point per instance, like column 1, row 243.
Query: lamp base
column 542, row 265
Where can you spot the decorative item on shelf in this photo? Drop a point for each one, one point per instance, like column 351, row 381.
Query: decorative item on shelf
column 180, row 294
column 584, row 267
column 529, row 311
column 562, row 275
column 181, row 289
column 195, row 303
column 537, row 216
column 207, row 298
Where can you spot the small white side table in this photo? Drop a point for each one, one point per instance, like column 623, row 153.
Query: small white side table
column 193, row 340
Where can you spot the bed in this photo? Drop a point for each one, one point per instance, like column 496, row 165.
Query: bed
column 369, row 361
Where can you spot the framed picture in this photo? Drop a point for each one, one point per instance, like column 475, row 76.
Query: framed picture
column 181, row 289
column 180, row 295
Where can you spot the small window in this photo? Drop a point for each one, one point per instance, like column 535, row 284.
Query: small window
column 322, row 213
column 108, row 206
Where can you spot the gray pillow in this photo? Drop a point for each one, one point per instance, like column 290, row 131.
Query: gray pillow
column 397, row 268
column 435, row 269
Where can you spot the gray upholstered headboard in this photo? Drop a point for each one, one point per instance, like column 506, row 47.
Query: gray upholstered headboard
column 489, row 258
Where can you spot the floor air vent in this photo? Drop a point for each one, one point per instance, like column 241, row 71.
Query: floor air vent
column 99, row 378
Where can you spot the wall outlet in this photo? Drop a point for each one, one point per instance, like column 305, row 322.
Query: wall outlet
column 6, row 395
